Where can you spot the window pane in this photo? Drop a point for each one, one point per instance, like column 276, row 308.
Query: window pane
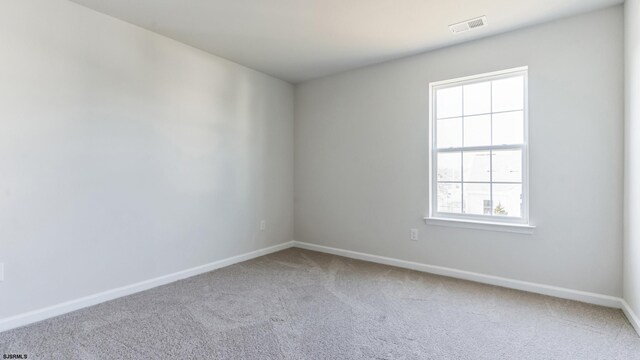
column 508, row 94
column 508, row 128
column 450, row 198
column 477, row 130
column 507, row 166
column 476, row 166
column 477, row 98
column 507, row 200
column 449, row 133
column 477, row 199
column 480, row 137
column 449, row 102
column 450, row 166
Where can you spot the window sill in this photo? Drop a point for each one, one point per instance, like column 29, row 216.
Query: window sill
column 481, row 225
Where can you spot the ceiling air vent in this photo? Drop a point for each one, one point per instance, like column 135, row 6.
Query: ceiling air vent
column 468, row 25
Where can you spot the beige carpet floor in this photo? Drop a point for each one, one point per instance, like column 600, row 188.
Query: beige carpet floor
column 299, row 304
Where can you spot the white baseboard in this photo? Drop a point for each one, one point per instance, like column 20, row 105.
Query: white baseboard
column 577, row 295
column 633, row 318
column 63, row 308
column 69, row 306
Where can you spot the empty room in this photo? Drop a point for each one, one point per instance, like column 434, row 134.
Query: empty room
column 320, row 179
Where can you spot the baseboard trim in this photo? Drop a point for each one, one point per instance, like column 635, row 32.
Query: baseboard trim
column 77, row 304
column 563, row 293
column 634, row 320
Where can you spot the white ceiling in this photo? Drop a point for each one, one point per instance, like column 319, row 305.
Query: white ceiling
column 297, row 40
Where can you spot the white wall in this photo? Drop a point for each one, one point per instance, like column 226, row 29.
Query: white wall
column 125, row 155
column 632, row 157
column 361, row 159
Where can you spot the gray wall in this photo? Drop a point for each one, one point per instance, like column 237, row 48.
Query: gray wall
column 632, row 157
column 361, row 163
column 125, row 155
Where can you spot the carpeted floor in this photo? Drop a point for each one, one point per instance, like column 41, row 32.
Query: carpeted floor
column 298, row 304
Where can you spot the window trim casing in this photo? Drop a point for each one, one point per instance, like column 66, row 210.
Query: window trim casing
column 470, row 220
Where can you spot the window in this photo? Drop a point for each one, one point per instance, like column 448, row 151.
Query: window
column 478, row 128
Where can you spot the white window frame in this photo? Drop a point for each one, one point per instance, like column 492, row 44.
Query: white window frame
column 483, row 222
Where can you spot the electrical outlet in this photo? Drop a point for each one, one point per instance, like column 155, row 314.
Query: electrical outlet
column 414, row 235
column 1, row 272
column 263, row 225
